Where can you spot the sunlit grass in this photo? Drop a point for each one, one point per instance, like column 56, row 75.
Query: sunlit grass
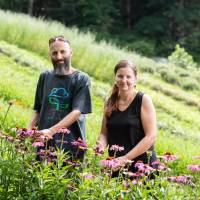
column 178, row 116
column 33, row 34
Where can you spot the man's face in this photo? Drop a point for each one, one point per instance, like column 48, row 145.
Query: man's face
column 60, row 53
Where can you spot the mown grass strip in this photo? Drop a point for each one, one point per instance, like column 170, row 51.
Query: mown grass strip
column 188, row 97
column 97, row 59
column 21, row 88
column 26, row 58
column 17, row 82
column 33, row 34
column 20, row 115
column 181, row 115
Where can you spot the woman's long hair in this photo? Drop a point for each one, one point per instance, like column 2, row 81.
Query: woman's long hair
column 111, row 103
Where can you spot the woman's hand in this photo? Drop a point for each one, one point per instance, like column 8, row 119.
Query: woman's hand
column 98, row 148
column 121, row 162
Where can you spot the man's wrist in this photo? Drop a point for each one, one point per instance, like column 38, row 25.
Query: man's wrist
column 52, row 131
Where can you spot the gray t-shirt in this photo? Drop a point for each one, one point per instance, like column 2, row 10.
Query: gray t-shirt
column 56, row 96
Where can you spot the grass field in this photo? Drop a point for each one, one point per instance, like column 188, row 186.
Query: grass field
column 24, row 54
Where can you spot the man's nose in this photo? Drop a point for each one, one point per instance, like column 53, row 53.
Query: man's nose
column 59, row 56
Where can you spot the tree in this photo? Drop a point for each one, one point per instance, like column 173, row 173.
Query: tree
column 30, row 7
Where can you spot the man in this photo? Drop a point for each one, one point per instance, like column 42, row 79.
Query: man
column 62, row 98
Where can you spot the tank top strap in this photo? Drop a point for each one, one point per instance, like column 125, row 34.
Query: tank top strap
column 137, row 103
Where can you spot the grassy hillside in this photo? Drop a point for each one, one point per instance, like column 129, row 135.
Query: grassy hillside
column 24, row 54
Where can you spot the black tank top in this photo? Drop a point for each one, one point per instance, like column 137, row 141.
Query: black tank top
column 125, row 129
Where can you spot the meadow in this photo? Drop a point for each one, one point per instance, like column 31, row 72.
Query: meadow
column 24, row 54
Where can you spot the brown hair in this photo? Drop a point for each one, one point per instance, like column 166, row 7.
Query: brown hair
column 111, row 103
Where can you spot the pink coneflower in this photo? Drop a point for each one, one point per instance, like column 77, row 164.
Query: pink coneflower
column 136, row 182
column 61, row 141
column 42, row 152
column 136, row 174
column 86, row 175
column 23, row 133
column 10, row 138
column 130, row 174
column 144, row 168
column 38, row 144
column 114, row 163
column 168, row 156
column 160, row 166
column 180, row 179
column 139, row 163
column 98, row 150
column 80, row 144
column 126, row 184
column 73, row 163
column 51, row 156
column 194, row 167
column 116, row 147
column 42, row 138
column 63, row 130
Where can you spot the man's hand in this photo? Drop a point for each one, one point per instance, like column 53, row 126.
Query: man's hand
column 47, row 133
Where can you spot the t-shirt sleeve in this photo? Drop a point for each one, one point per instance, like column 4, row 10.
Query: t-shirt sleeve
column 82, row 96
column 38, row 93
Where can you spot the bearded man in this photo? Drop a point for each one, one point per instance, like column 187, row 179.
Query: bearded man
column 62, row 99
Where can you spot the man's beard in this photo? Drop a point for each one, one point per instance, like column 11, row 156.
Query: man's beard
column 61, row 67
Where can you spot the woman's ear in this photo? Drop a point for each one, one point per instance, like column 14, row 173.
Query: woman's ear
column 71, row 51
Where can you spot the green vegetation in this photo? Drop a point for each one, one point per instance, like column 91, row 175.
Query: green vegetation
column 24, row 56
column 149, row 27
column 181, row 58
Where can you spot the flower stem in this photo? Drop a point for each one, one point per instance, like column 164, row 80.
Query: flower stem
column 5, row 116
column 62, row 141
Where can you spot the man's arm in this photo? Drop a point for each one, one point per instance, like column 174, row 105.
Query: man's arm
column 34, row 120
column 65, row 122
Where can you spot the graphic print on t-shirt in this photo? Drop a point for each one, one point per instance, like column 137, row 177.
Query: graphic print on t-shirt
column 58, row 98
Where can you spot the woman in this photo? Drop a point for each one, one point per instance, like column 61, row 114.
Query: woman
column 129, row 119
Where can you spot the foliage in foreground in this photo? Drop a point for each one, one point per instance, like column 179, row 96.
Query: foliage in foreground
column 55, row 176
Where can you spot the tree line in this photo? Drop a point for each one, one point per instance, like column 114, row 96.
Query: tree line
column 150, row 27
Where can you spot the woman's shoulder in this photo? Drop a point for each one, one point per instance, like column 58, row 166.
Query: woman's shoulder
column 146, row 100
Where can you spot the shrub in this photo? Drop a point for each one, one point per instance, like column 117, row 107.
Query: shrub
column 143, row 47
column 190, row 84
column 181, row 58
column 169, row 76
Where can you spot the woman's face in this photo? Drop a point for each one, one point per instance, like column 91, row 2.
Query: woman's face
column 125, row 79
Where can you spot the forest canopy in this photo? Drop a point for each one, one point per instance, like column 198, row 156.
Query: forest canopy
column 150, row 27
